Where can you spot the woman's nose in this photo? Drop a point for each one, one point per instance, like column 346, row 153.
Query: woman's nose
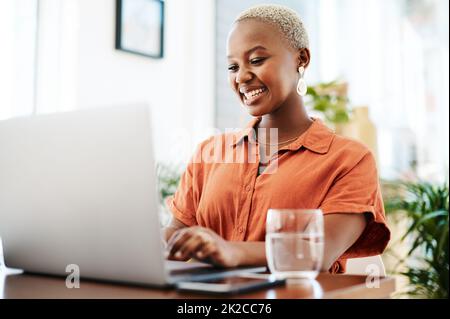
column 243, row 76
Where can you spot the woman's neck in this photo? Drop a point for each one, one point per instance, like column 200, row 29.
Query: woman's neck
column 291, row 119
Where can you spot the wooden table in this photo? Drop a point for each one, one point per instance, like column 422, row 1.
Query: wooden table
column 326, row 286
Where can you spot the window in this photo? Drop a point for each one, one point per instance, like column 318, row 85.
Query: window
column 18, row 29
column 396, row 62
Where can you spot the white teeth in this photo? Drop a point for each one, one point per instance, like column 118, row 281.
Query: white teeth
column 254, row 93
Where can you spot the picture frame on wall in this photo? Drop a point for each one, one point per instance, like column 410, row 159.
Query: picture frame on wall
column 140, row 27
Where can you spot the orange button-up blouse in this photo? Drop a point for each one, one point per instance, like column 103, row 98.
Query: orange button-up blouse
column 318, row 170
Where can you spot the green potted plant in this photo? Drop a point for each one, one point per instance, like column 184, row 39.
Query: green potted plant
column 426, row 263
column 168, row 180
column 330, row 98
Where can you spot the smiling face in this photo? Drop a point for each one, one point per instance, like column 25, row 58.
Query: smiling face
column 262, row 67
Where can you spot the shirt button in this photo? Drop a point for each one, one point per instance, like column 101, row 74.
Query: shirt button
column 248, row 188
column 241, row 230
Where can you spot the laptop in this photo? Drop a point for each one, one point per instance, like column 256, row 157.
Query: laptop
column 79, row 188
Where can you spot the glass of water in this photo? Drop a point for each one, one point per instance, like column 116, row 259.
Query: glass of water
column 294, row 242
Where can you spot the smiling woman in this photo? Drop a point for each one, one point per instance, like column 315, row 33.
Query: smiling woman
column 272, row 60
column 220, row 208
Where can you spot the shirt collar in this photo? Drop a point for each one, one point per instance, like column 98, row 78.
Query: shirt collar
column 247, row 131
column 317, row 138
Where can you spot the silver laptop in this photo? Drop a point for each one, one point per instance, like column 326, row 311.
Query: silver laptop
column 79, row 188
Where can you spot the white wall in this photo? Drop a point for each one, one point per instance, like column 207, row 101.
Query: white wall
column 80, row 68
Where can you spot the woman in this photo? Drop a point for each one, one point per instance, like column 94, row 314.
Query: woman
column 220, row 209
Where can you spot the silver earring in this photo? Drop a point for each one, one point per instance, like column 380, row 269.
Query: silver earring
column 301, row 85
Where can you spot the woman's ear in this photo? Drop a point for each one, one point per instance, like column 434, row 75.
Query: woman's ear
column 304, row 57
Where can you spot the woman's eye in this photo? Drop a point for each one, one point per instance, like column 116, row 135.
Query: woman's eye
column 232, row 67
column 257, row 60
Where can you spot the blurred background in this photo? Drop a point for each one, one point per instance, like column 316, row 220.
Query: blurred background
column 59, row 55
column 379, row 73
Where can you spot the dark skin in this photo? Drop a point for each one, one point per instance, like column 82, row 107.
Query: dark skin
column 260, row 58
column 273, row 65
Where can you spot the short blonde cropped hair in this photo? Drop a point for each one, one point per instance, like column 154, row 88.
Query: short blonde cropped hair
column 286, row 19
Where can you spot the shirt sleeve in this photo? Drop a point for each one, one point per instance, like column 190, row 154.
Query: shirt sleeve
column 183, row 204
column 358, row 191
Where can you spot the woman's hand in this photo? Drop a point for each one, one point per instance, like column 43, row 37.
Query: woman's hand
column 202, row 244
